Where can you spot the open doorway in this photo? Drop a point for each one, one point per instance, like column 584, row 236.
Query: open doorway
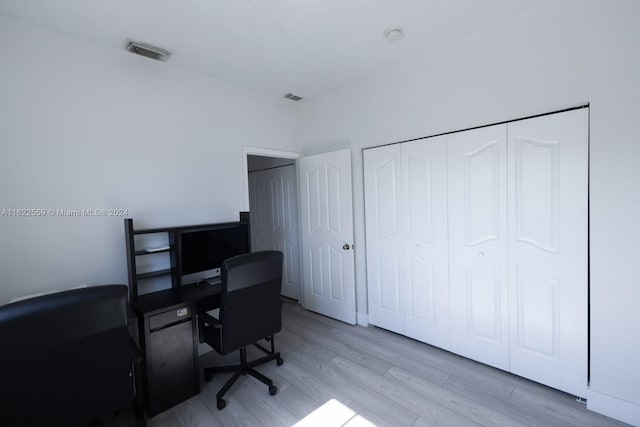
column 273, row 207
column 323, row 279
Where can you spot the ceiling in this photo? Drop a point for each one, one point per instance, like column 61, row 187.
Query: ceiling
column 308, row 47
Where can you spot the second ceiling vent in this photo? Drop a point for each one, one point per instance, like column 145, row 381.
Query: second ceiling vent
column 147, row 50
column 292, row 97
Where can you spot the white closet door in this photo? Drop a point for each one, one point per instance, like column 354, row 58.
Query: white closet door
column 259, row 210
column 382, row 180
column 548, row 188
column 283, row 226
column 274, row 220
column 425, row 284
column 478, row 244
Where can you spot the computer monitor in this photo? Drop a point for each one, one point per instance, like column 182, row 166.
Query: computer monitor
column 203, row 250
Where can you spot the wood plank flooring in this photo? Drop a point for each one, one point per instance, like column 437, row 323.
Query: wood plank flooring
column 340, row 375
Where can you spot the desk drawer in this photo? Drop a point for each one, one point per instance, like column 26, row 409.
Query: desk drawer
column 168, row 318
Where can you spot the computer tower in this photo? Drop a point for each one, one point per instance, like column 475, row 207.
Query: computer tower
column 171, row 358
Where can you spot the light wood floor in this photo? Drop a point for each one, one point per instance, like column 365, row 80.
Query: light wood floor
column 340, row 375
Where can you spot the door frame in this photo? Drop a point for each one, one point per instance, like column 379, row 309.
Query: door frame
column 257, row 151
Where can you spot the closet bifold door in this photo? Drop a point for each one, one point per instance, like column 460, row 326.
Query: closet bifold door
column 382, row 179
column 425, row 285
column 477, row 172
column 406, row 234
column 548, row 238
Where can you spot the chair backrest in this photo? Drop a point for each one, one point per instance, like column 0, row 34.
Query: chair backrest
column 64, row 357
column 250, row 307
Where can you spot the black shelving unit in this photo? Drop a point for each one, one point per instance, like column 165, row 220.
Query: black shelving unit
column 134, row 253
column 172, row 236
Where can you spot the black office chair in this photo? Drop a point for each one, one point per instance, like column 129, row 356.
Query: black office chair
column 65, row 358
column 250, row 310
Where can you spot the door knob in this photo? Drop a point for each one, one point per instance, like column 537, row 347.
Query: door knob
column 481, row 254
column 346, row 247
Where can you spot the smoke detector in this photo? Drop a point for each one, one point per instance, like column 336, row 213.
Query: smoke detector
column 292, row 97
column 394, row 33
column 147, row 50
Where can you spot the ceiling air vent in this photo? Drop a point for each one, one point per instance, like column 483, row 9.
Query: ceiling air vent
column 292, row 97
column 147, row 50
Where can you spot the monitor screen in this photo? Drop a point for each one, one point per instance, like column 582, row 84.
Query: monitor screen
column 202, row 251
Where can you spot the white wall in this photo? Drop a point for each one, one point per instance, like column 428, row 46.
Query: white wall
column 88, row 127
column 563, row 54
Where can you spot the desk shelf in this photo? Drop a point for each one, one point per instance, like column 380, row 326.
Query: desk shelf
column 156, row 273
column 168, row 235
column 147, row 252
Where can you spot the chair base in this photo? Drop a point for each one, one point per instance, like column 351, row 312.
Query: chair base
column 243, row 368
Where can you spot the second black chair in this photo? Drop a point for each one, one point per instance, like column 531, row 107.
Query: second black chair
column 250, row 310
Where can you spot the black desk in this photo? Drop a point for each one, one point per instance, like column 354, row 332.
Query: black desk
column 205, row 296
column 169, row 342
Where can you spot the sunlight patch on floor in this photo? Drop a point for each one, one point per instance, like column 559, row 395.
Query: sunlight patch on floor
column 334, row 414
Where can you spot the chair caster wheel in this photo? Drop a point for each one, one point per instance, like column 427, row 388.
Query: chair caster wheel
column 279, row 361
column 273, row 390
column 221, row 404
column 208, row 376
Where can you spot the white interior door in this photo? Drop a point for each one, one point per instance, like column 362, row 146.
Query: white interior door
column 548, row 232
column 478, row 244
column 274, row 220
column 425, row 261
column 328, row 281
column 383, row 207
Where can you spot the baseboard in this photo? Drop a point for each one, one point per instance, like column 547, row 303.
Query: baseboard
column 362, row 319
column 613, row 407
